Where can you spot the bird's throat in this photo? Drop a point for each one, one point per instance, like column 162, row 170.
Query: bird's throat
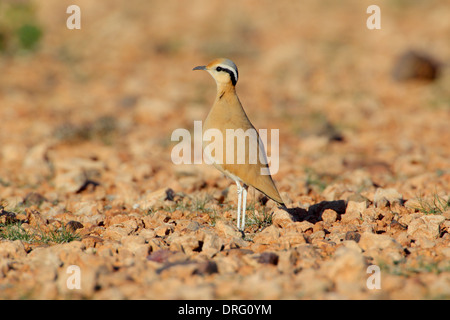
column 225, row 92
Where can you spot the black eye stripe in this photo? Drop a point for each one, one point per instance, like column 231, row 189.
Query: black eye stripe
column 230, row 72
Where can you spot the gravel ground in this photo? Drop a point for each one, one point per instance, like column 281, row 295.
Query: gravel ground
column 92, row 206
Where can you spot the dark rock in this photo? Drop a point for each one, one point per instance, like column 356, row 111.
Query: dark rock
column 74, row 225
column 160, row 255
column 170, row 195
column 33, row 199
column 88, row 185
column 268, row 258
column 415, row 65
column 353, row 235
column 7, row 217
column 205, row 268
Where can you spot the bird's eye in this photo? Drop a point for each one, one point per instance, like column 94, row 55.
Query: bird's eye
column 219, row 69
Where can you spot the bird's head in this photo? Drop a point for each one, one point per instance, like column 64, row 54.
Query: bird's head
column 224, row 71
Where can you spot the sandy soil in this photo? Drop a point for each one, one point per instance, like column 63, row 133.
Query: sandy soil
column 87, row 180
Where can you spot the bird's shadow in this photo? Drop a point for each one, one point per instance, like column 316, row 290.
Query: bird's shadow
column 314, row 213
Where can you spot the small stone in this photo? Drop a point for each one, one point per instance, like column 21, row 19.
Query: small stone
column 187, row 243
column 193, row 226
column 206, row 268
column 304, row 226
column 318, row 226
column 12, row 249
column 318, row 235
column 292, row 239
column 358, row 198
column 92, row 241
column 427, row 227
column 416, row 65
column 33, row 198
column 385, row 197
column 225, row 228
column 170, row 195
column 212, row 244
column 352, row 235
column 155, row 198
column 269, row 235
column 377, row 241
column 136, row 245
column 115, row 232
column 413, row 204
column 334, row 191
column 164, row 230
column 381, row 247
column 7, row 217
column 282, row 219
column 356, row 206
column 160, row 256
column 395, row 225
column 329, row 216
column 336, row 237
column 237, row 242
column 370, row 215
column 268, row 258
column 74, row 225
column 403, row 239
column 446, row 225
column 147, row 234
column 351, row 217
column 35, row 219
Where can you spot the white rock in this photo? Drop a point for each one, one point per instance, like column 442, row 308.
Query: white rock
column 381, row 247
column 427, row 227
column 383, row 197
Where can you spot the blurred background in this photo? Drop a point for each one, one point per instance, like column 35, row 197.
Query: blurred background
column 344, row 97
column 86, row 118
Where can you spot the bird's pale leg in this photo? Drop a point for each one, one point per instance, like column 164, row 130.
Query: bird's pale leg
column 244, row 206
column 239, row 192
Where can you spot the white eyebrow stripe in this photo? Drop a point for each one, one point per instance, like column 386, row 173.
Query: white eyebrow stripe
column 224, row 66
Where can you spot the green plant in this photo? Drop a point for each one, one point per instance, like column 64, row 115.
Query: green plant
column 437, row 205
column 15, row 231
column 60, row 235
column 213, row 217
column 314, row 180
column 190, row 204
column 259, row 220
column 19, row 28
column 29, row 36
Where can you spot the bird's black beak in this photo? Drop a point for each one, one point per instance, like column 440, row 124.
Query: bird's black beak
column 200, row 68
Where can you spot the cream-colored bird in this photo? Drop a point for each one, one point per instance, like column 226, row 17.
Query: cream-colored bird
column 227, row 114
